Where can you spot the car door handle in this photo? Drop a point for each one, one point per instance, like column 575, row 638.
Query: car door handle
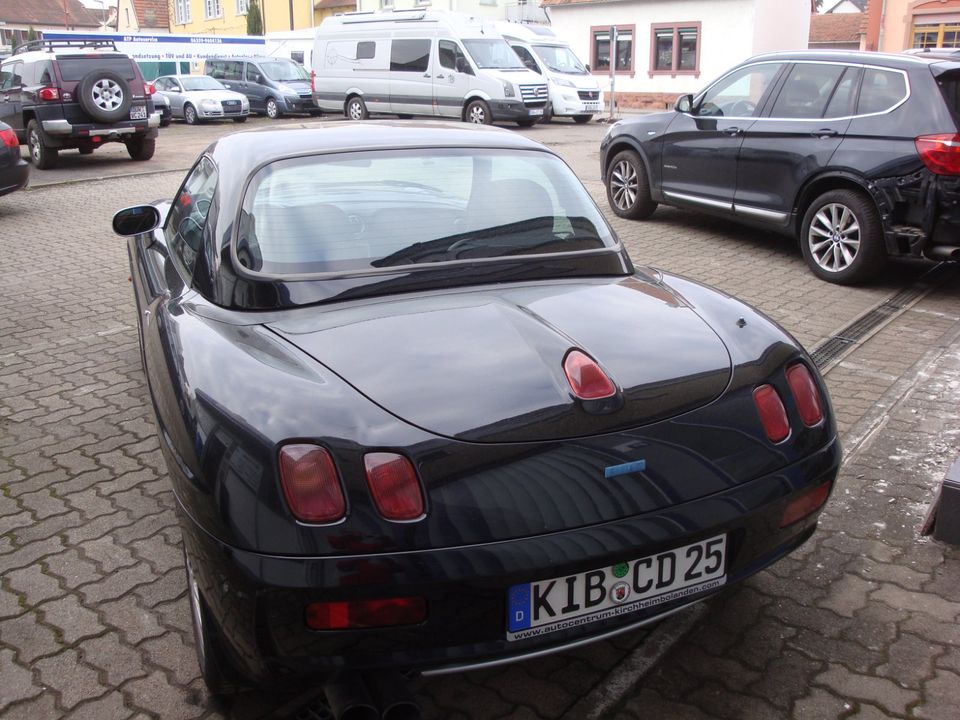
column 824, row 133
column 426, row 74
column 732, row 131
column 440, row 77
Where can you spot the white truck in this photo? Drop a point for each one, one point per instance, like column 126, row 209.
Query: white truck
column 423, row 62
column 574, row 92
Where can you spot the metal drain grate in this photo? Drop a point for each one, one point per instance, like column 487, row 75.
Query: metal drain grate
column 835, row 346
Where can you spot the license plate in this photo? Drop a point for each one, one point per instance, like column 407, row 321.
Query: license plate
column 561, row 603
column 138, row 112
column 536, row 111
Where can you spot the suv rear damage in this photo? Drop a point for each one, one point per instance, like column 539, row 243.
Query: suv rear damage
column 65, row 94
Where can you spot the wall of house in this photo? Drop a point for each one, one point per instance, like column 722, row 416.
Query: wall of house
column 276, row 17
column 781, row 25
column 726, row 38
column 899, row 17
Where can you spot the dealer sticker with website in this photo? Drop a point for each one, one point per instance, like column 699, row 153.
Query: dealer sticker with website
column 561, row 603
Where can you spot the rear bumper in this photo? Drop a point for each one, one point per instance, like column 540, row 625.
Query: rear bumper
column 61, row 133
column 259, row 600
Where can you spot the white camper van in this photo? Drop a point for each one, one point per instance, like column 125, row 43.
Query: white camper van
column 574, row 92
column 423, row 62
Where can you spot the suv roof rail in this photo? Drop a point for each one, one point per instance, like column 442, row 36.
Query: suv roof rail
column 79, row 43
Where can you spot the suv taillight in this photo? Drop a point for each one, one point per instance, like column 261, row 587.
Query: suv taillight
column 940, row 153
column 149, row 88
column 49, row 93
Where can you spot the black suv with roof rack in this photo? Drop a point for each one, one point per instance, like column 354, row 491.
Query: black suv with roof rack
column 855, row 154
column 60, row 94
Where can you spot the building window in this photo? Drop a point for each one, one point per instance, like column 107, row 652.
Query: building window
column 600, row 49
column 212, row 9
column 243, row 7
column 937, row 35
column 675, row 49
column 181, row 12
column 386, row 4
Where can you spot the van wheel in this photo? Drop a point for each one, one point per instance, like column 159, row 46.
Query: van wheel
column 842, row 237
column 528, row 122
column 273, row 112
column 547, row 114
column 478, row 112
column 581, row 119
column 356, row 109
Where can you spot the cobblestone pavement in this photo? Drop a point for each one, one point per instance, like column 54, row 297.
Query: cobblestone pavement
column 94, row 621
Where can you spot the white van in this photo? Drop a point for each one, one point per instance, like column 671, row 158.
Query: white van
column 422, row 62
column 574, row 92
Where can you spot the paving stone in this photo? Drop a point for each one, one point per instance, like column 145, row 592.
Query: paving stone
column 134, row 622
column 30, row 638
column 848, row 595
column 890, row 696
column 71, row 618
column 450, row 696
column 10, row 604
column 170, row 652
column 164, row 699
column 911, row 661
column 905, row 577
column 950, row 660
column 874, row 627
column 72, row 569
column 39, row 707
column 169, row 586
column 161, row 556
column 72, row 680
column 109, row 707
column 16, row 682
column 108, row 554
column 940, row 697
column 34, row 584
column 852, row 655
column 820, row 705
column 932, row 605
column 116, row 584
column 117, row 660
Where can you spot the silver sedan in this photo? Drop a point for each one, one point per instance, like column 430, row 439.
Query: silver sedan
column 196, row 98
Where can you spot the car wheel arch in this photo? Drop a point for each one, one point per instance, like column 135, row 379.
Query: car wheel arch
column 625, row 143
column 817, row 186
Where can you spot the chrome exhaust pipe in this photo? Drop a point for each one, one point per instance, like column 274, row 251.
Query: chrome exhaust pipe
column 393, row 696
column 349, row 698
column 943, row 252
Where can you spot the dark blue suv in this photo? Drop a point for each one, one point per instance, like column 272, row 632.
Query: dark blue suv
column 855, row 154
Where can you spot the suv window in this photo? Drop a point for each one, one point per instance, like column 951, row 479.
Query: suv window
column 409, row 55
column 73, row 69
column 225, row 69
column 739, row 93
column 880, row 91
column 807, row 90
column 10, row 76
column 950, row 87
column 841, row 104
column 188, row 215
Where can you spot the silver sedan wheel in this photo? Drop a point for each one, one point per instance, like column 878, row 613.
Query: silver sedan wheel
column 624, row 185
column 834, row 237
column 107, row 94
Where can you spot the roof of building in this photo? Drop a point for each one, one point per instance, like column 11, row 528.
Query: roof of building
column 835, row 27
column 151, row 13
column 47, row 13
column 831, row 5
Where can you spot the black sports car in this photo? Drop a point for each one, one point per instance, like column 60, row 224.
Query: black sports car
column 422, row 412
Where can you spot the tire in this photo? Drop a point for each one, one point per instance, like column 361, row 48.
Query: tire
column 628, row 189
column 240, row 119
column 215, row 667
column 528, row 122
column 547, row 114
column 581, row 119
column 478, row 112
column 190, row 114
column 356, row 109
column 141, row 148
column 405, row 116
column 42, row 155
column 165, row 122
column 842, row 237
column 86, row 148
column 273, row 110
column 104, row 95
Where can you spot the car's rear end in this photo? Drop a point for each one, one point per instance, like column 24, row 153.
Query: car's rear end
column 13, row 170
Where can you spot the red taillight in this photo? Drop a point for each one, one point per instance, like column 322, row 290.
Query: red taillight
column 807, row 503
column 394, row 485
column 940, row 153
column 9, row 138
column 48, row 93
column 149, row 88
column 310, row 484
column 806, row 394
column 587, row 379
column 366, row 613
column 772, row 413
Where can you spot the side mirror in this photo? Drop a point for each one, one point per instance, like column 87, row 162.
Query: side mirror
column 684, row 104
column 136, row 220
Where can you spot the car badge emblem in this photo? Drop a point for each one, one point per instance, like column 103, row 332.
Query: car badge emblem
column 625, row 468
column 620, row 592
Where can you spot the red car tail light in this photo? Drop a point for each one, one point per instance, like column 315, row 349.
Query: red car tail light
column 772, row 413
column 394, row 485
column 310, row 483
column 149, row 88
column 806, row 504
column 366, row 613
column 940, row 153
column 9, row 138
column 587, row 379
column 48, row 93
column 806, row 394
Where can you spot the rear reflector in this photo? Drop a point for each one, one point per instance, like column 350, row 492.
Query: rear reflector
column 806, row 394
column 587, row 379
column 310, row 484
column 772, row 413
column 940, row 153
column 9, row 138
column 394, row 485
column 806, row 504
column 48, row 93
column 366, row 613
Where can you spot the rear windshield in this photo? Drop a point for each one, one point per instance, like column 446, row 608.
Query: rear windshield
column 950, row 87
column 364, row 211
column 74, row 68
